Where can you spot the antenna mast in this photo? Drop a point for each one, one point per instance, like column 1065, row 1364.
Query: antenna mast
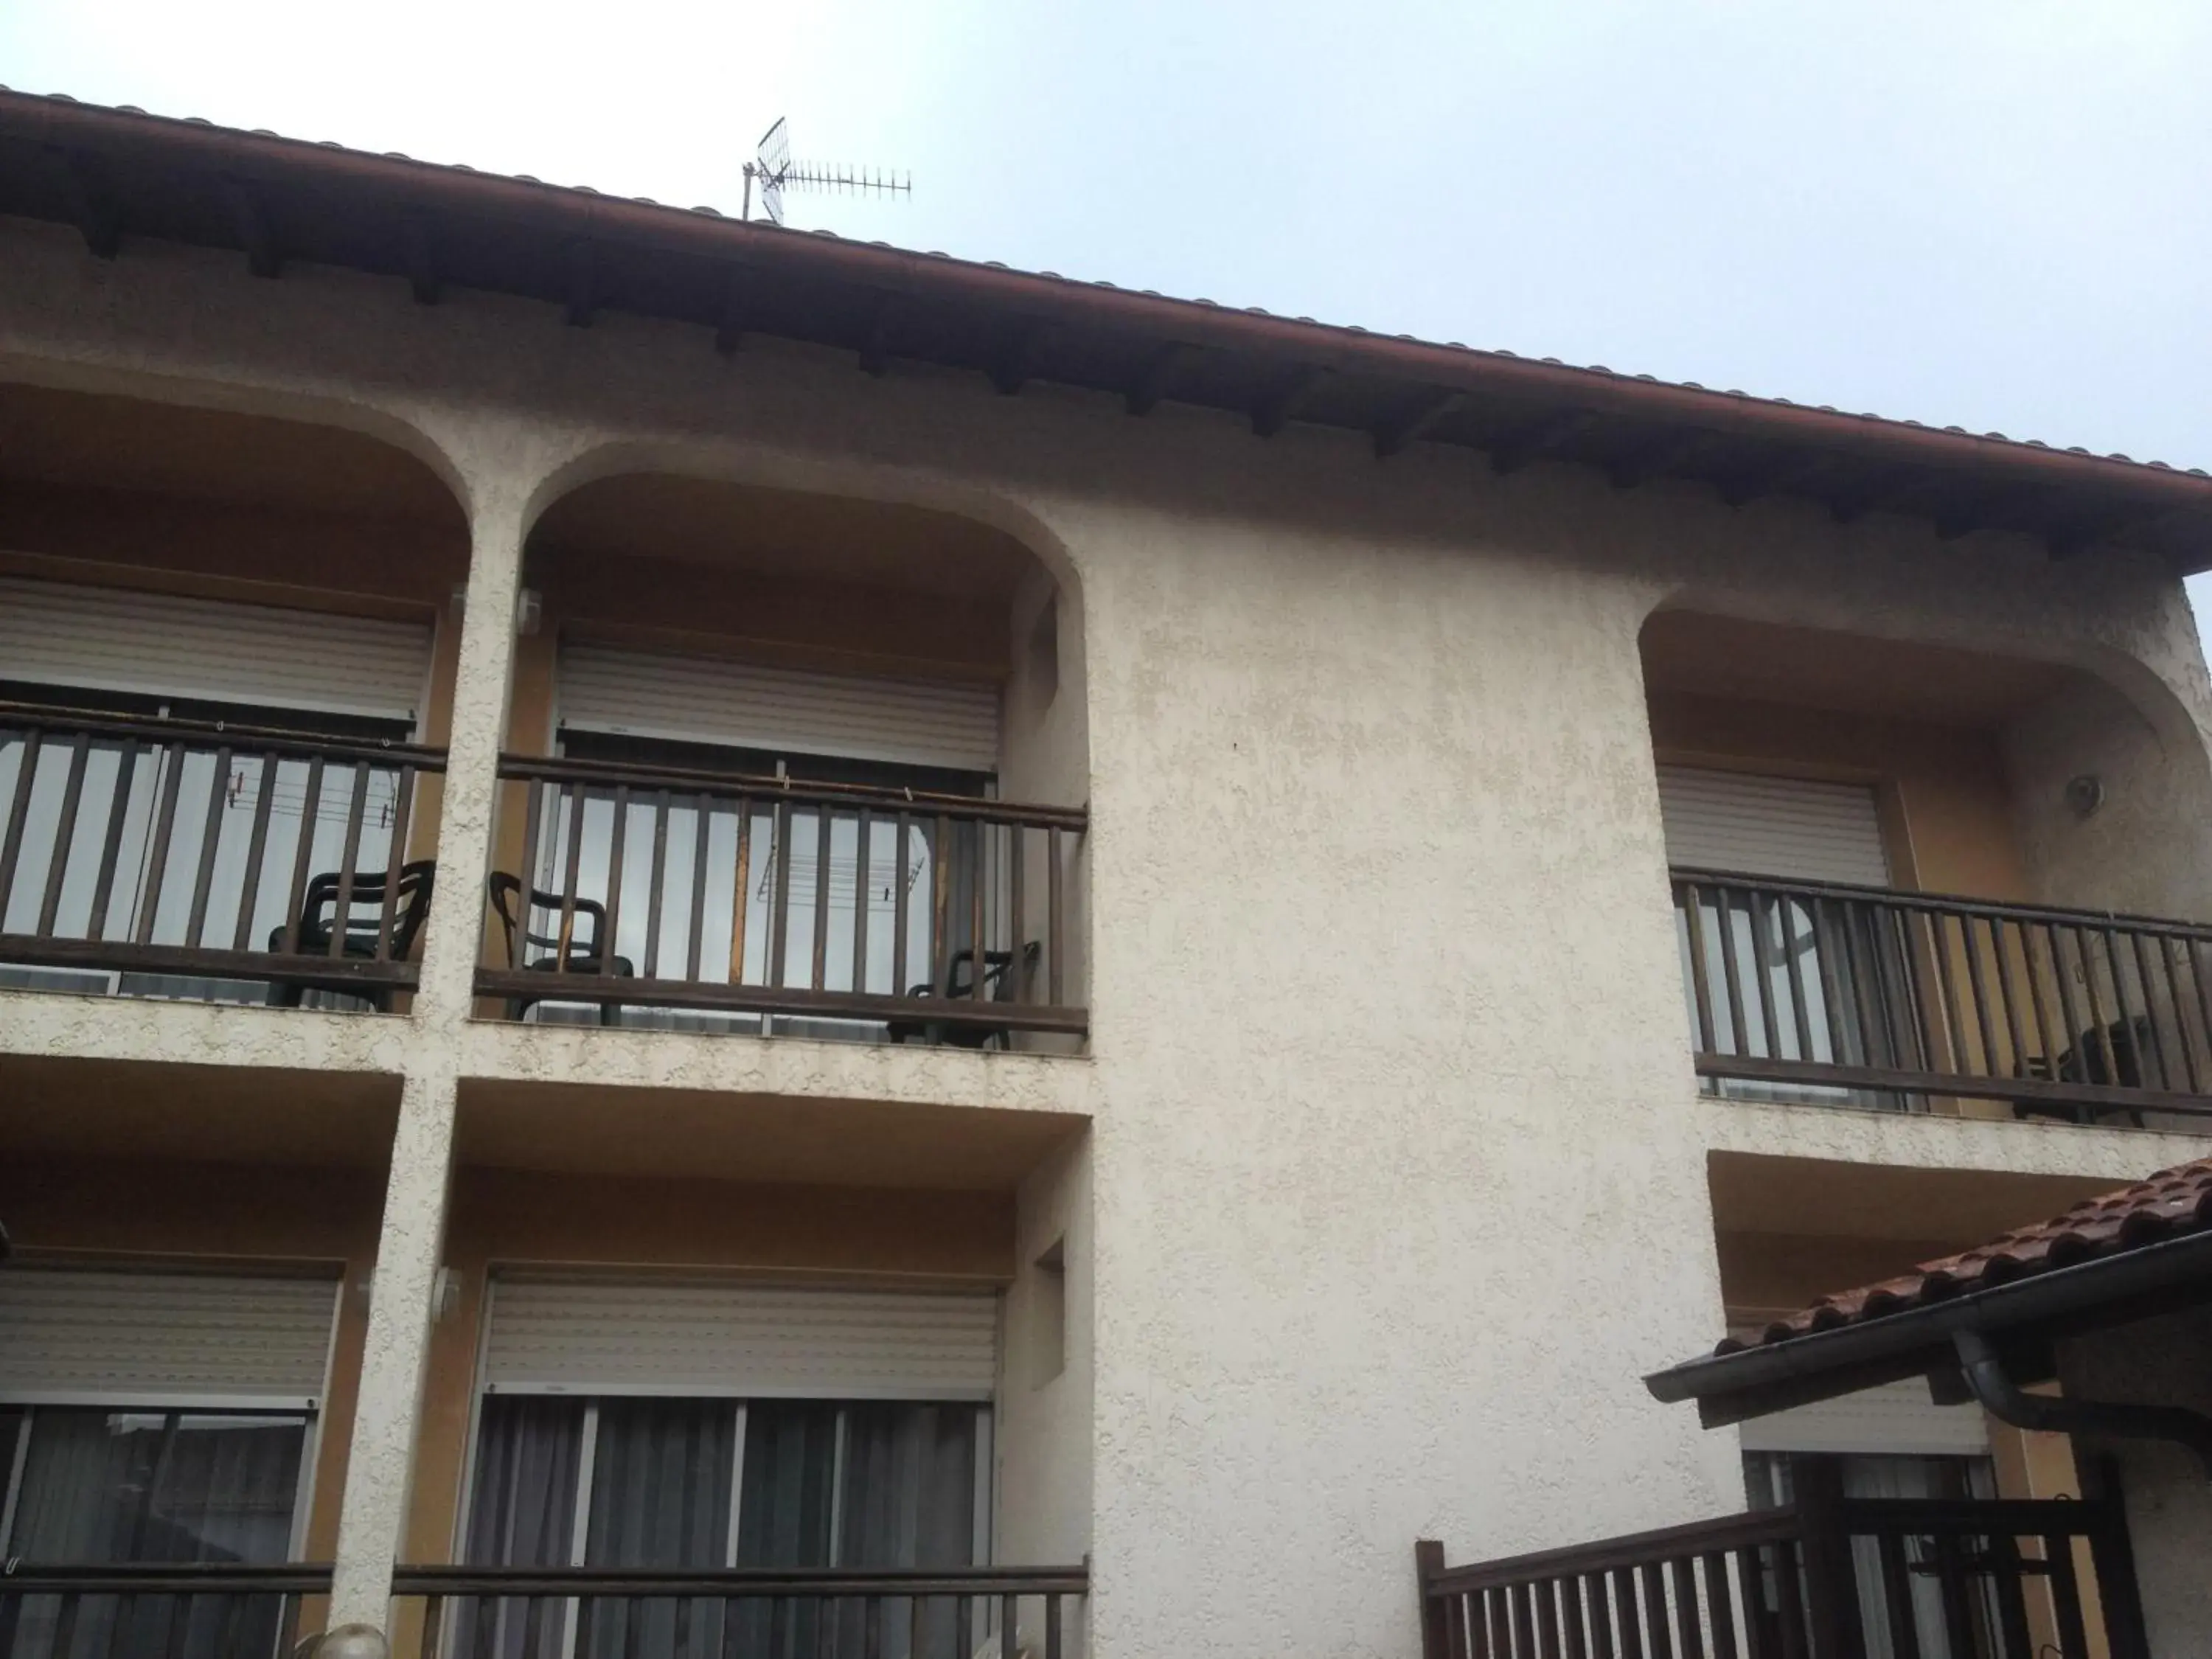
column 773, row 170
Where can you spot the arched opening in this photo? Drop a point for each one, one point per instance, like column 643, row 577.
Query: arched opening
column 1919, row 877
column 790, row 763
column 225, row 666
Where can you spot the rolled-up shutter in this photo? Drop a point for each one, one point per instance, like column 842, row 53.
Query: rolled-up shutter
column 1797, row 829
column 735, row 1340
column 70, row 1335
column 1897, row 1419
column 711, row 700
column 111, row 639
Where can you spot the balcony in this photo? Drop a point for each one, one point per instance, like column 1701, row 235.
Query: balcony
column 1823, row 1578
column 208, row 860
column 710, row 900
column 1828, row 993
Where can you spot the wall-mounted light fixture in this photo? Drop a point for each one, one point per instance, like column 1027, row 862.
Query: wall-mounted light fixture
column 2084, row 794
column 528, row 611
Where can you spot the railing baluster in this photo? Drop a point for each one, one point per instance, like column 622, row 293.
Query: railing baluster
column 1689, row 1627
column 1017, row 976
column 395, row 859
column 2099, row 1032
column 899, row 986
column 741, row 892
column 863, row 888
column 940, row 937
column 1789, row 1596
column 2009, row 997
column 978, row 867
column 1720, row 1607
column 2070, row 1041
column 110, row 847
column 2150, row 1015
column 11, row 845
column 1594, row 1587
column 611, row 916
column 1731, row 974
column 1762, row 959
column 2007, row 1581
column 64, row 835
column 572, row 869
column 2065, row 1597
column 2196, row 953
column 1785, row 911
column 2038, row 1027
column 1975, row 979
column 824, row 823
column 779, row 915
column 168, row 784
column 1690, row 902
column 1913, row 993
column 703, row 814
column 1657, row 1637
column 1574, row 1630
column 1057, row 923
column 341, row 908
column 657, row 895
column 1626, row 1613
column 1897, row 1594
column 2173, row 1001
column 210, row 836
column 257, row 852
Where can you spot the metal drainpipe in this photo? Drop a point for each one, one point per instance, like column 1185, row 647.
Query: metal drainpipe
column 2007, row 1402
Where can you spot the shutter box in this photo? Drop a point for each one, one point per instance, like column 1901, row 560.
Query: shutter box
column 1897, row 1419
column 78, row 1336
column 737, row 705
column 602, row 1337
column 1793, row 829
column 161, row 644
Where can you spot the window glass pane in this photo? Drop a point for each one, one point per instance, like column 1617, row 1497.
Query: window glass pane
column 660, row 1497
column 102, row 1486
column 908, row 1495
column 522, row 1513
column 790, row 1450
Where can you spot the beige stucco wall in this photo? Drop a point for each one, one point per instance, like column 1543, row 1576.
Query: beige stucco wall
column 1395, row 1176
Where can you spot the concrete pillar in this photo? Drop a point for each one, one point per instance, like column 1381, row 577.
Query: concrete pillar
column 481, row 684
column 373, row 1517
column 379, row 1464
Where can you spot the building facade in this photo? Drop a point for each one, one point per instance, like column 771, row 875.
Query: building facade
column 632, row 949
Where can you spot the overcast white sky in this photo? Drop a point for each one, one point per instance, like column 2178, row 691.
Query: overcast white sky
column 1994, row 213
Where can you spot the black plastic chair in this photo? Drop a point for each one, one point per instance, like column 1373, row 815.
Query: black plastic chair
column 998, row 986
column 2110, row 1056
column 358, row 929
column 587, row 952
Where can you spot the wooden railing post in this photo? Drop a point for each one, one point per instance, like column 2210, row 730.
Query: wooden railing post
column 1428, row 1562
column 2112, row 1555
column 1831, row 1604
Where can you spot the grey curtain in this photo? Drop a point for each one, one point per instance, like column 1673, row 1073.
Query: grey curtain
column 522, row 1514
column 100, row 1487
column 660, row 1497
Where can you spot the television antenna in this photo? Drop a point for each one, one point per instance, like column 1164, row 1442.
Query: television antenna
column 773, row 170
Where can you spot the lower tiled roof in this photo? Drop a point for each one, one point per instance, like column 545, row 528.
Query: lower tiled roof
column 2171, row 1204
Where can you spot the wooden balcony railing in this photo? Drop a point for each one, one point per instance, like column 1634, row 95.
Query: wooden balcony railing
column 1827, row 991
column 816, row 908
column 524, row 1612
column 179, row 858
column 220, row 1611
column 1903, row 1578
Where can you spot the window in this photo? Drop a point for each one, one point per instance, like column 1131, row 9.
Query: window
column 1769, row 1481
column 626, row 1482
column 101, row 1485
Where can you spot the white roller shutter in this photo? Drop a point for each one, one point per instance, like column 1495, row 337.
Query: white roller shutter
column 711, row 700
column 740, row 1341
column 1897, row 1419
column 110, row 639
column 1794, row 827
column 72, row 1335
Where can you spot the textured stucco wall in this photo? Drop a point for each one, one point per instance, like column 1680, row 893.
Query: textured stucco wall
column 2162, row 1362
column 1395, row 1180
column 1043, row 1420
